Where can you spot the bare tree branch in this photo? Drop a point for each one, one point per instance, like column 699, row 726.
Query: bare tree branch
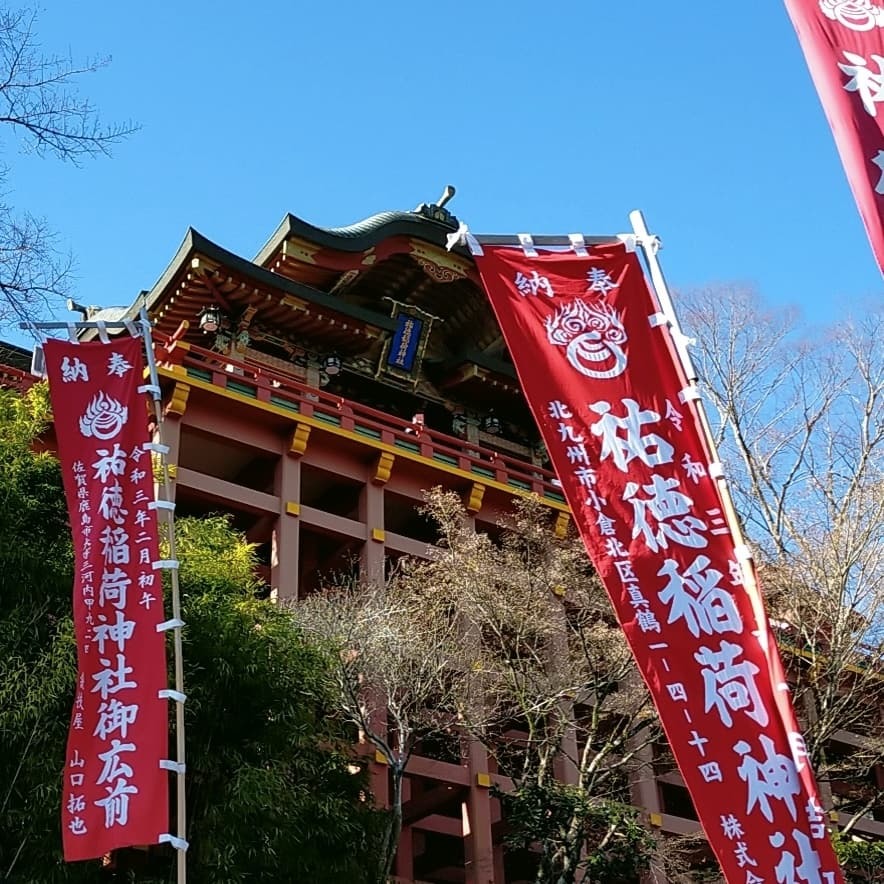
column 43, row 111
column 801, row 424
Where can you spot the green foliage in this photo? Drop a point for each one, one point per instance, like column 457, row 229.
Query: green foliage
column 861, row 861
column 37, row 651
column 564, row 819
column 265, row 752
column 271, row 795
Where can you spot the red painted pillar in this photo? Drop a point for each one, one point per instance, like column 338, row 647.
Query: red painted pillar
column 286, row 538
column 169, row 435
column 404, row 867
column 371, row 514
column 479, row 845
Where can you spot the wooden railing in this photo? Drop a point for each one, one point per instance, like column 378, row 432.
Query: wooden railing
column 263, row 384
column 16, row 379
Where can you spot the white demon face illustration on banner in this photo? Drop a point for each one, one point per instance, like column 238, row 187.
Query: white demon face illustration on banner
column 858, row 15
column 593, row 338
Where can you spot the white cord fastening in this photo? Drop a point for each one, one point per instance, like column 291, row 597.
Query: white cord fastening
column 168, row 505
column 177, row 843
column 174, row 766
column 527, row 243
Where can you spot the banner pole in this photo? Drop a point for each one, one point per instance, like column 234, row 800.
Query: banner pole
column 166, row 495
column 650, row 245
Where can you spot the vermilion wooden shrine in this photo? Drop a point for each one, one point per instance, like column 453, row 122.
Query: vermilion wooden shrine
column 313, row 393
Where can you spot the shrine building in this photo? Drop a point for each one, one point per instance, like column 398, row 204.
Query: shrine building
column 313, row 393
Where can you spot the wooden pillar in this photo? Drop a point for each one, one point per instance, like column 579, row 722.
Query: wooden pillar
column 478, row 839
column 565, row 764
column 286, row 538
column 379, row 770
column 645, row 794
column 404, row 867
column 499, row 864
column 371, row 514
column 171, row 436
column 479, row 846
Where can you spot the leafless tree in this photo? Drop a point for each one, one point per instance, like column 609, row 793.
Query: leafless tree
column 391, row 662
column 800, row 420
column 512, row 644
column 553, row 693
column 45, row 115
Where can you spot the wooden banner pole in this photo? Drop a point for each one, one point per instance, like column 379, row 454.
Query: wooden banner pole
column 649, row 246
column 166, row 495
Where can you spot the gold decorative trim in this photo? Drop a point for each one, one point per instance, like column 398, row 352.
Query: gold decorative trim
column 383, row 467
column 156, row 467
column 299, row 250
column 474, row 501
column 483, row 780
column 300, row 438
column 178, row 401
column 435, row 272
column 292, row 508
column 378, row 535
column 561, row 527
column 441, row 265
column 293, row 302
column 203, row 265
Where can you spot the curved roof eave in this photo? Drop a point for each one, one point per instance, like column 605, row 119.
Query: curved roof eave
column 362, row 235
column 194, row 243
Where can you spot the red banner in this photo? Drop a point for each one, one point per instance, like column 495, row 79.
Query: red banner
column 115, row 793
column 596, row 362
column 843, row 42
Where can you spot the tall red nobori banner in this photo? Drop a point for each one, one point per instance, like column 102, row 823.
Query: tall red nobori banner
column 596, row 362
column 843, row 42
column 115, row 793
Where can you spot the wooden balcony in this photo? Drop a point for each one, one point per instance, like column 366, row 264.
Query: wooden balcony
column 190, row 364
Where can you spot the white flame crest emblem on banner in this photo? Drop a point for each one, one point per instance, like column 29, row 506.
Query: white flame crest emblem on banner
column 104, row 417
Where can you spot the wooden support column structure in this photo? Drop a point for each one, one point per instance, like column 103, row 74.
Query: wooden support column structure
column 478, row 837
column 645, row 794
column 371, row 514
column 171, row 436
column 404, row 867
column 479, row 844
column 286, row 538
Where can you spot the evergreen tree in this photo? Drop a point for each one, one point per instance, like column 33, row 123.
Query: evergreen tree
column 272, row 794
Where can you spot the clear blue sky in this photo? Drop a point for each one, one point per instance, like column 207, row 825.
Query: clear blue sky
column 548, row 118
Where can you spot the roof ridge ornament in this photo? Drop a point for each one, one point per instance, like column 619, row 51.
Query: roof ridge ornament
column 437, row 211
